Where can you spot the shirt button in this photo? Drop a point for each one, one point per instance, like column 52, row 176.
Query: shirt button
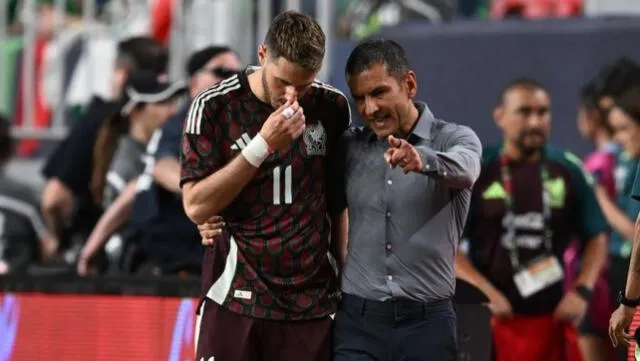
column 389, row 182
column 390, row 277
column 388, row 214
column 388, row 246
column 427, row 167
column 444, row 174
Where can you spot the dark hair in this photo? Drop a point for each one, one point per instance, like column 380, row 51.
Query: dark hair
column 103, row 150
column 615, row 78
column 201, row 57
column 298, row 38
column 378, row 52
column 6, row 142
column 522, row 82
column 142, row 53
column 629, row 102
column 589, row 100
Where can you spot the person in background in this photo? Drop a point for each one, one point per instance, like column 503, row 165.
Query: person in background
column 21, row 227
column 66, row 202
column 530, row 201
column 593, row 126
column 625, row 121
column 154, row 205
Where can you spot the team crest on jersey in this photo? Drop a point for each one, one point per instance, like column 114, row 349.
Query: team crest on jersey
column 315, row 139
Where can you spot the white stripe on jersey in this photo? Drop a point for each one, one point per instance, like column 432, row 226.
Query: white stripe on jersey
column 26, row 210
column 194, row 118
column 116, row 181
column 321, row 85
column 220, row 288
column 241, row 142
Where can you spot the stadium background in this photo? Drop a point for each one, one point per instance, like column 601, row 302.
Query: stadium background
column 461, row 53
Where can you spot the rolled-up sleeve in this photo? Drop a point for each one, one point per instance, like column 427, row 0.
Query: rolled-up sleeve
column 458, row 165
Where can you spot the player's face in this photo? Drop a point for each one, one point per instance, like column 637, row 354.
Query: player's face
column 279, row 73
column 214, row 72
column 626, row 131
column 383, row 100
column 525, row 118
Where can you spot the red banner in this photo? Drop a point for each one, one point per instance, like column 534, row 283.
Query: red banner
column 100, row 328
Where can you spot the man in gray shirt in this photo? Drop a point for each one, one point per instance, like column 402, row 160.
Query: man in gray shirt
column 408, row 180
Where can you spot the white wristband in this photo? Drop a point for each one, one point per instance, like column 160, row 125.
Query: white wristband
column 256, row 151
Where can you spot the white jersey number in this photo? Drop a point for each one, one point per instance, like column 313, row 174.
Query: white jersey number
column 277, row 185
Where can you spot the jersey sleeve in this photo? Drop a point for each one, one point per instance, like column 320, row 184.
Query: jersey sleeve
column 635, row 189
column 592, row 219
column 200, row 154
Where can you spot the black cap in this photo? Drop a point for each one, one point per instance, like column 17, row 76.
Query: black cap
column 201, row 57
column 149, row 87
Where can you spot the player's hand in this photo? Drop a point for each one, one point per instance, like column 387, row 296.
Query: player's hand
column 571, row 308
column 500, row 306
column 403, row 154
column 278, row 130
column 619, row 325
column 210, row 230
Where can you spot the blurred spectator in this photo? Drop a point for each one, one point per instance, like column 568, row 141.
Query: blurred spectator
column 593, row 126
column 622, row 210
column 66, row 201
column 21, row 227
column 147, row 102
column 169, row 240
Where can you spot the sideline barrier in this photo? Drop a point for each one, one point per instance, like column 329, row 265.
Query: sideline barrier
column 67, row 318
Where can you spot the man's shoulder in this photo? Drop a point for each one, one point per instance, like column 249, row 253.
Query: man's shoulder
column 220, row 95
column 570, row 162
column 331, row 100
column 447, row 129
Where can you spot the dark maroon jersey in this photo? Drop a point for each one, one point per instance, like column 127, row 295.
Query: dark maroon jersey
column 272, row 262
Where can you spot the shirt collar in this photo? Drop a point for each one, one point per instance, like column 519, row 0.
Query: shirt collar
column 422, row 128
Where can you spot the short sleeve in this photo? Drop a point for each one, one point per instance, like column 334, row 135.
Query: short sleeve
column 200, row 154
column 592, row 220
column 635, row 189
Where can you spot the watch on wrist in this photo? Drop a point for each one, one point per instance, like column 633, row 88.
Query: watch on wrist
column 584, row 292
column 627, row 302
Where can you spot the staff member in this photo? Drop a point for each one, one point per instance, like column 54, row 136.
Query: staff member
column 408, row 178
column 528, row 204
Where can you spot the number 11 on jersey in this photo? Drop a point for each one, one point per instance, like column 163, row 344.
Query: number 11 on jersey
column 277, row 185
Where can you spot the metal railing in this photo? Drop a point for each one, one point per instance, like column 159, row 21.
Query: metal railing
column 230, row 22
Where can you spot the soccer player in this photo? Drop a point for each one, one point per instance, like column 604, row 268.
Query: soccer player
column 257, row 150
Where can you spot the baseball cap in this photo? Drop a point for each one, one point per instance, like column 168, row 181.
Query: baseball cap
column 201, row 57
column 148, row 87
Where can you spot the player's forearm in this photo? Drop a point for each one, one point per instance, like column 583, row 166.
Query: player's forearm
column 633, row 277
column 167, row 174
column 113, row 219
column 207, row 197
column 593, row 259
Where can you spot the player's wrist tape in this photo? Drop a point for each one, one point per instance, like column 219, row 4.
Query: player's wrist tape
column 256, row 151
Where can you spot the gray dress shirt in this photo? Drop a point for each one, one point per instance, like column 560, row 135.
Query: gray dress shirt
column 404, row 228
